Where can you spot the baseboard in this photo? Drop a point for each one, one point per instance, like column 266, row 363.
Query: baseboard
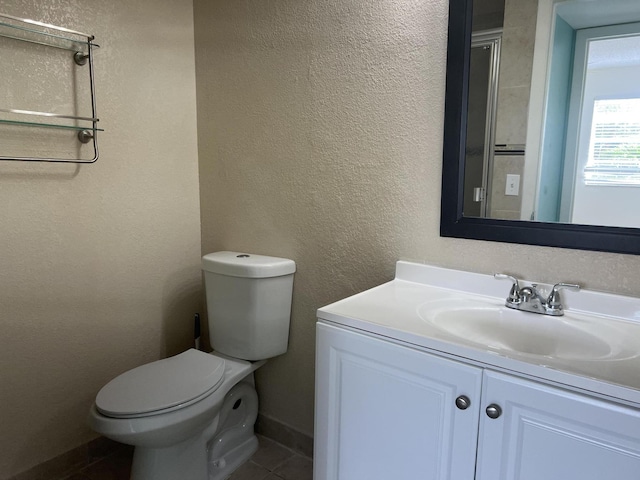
column 285, row 435
column 61, row 466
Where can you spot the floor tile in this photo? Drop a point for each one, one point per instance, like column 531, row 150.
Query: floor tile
column 270, row 454
column 296, row 468
column 250, row 471
column 271, row 461
column 116, row 466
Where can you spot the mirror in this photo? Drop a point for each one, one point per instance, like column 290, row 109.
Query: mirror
column 541, row 146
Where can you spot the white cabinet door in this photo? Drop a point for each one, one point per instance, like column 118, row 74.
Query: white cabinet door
column 547, row 433
column 388, row 412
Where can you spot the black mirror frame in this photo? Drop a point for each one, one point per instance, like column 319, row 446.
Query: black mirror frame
column 452, row 222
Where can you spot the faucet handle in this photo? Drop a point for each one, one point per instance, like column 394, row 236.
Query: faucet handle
column 553, row 302
column 514, row 293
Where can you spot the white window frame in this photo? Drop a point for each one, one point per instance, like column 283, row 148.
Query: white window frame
column 578, row 104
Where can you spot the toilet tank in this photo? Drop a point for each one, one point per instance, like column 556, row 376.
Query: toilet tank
column 248, row 303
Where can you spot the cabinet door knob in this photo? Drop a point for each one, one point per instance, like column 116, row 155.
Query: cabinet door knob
column 494, row 411
column 463, row 402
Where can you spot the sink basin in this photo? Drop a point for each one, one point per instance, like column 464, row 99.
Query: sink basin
column 504, row 330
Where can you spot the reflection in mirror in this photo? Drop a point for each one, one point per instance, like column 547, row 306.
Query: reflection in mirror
column 553, row 126
column 546, row 114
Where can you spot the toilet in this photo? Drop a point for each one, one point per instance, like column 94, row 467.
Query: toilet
column 191, row 416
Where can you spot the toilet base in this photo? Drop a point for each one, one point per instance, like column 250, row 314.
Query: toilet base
column 185, row 460
column 212, row 454
column 221, row 468
column 234, row 441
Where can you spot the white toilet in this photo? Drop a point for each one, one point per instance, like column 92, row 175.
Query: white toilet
column 191, row 416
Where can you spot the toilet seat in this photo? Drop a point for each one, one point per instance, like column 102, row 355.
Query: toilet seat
column 162, row 386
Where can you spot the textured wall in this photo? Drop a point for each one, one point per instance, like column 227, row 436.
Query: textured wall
column 100, row 264
column 320, row 139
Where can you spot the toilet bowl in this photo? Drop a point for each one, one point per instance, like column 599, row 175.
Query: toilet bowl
column 191, row 416
column 177, row 437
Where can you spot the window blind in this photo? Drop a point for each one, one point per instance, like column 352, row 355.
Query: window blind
column 614, row 146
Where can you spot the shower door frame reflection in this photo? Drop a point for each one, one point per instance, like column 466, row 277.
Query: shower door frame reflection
column 483, row 102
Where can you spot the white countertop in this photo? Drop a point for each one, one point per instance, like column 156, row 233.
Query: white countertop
column 393, row 310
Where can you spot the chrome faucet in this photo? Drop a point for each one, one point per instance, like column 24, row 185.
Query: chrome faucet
column 530, row 299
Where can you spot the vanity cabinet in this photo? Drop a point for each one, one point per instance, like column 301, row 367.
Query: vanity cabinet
column 386, row 410
column 550, row 433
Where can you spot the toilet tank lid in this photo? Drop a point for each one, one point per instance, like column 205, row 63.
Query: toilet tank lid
column 247, row 265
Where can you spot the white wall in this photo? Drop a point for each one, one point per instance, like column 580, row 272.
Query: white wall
column 320, row 139
column 99, row 267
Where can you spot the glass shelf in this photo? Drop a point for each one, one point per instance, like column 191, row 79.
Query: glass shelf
column 50, row 125
column 43, row 34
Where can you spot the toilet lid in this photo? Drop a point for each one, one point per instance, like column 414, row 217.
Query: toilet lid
column 171, row 382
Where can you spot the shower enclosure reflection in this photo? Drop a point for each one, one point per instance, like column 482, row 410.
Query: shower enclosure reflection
column 483, row 95
column 553, row 130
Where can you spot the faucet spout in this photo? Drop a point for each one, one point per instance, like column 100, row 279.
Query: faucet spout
column 532, row 299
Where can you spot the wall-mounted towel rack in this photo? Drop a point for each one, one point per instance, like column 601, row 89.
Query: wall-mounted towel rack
column 81, row 46
column 508, row 149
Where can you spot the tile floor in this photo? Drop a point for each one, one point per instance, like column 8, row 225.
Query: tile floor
column 272, row 461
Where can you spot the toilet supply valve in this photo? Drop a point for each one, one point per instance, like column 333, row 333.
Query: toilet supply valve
column 196, row 331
